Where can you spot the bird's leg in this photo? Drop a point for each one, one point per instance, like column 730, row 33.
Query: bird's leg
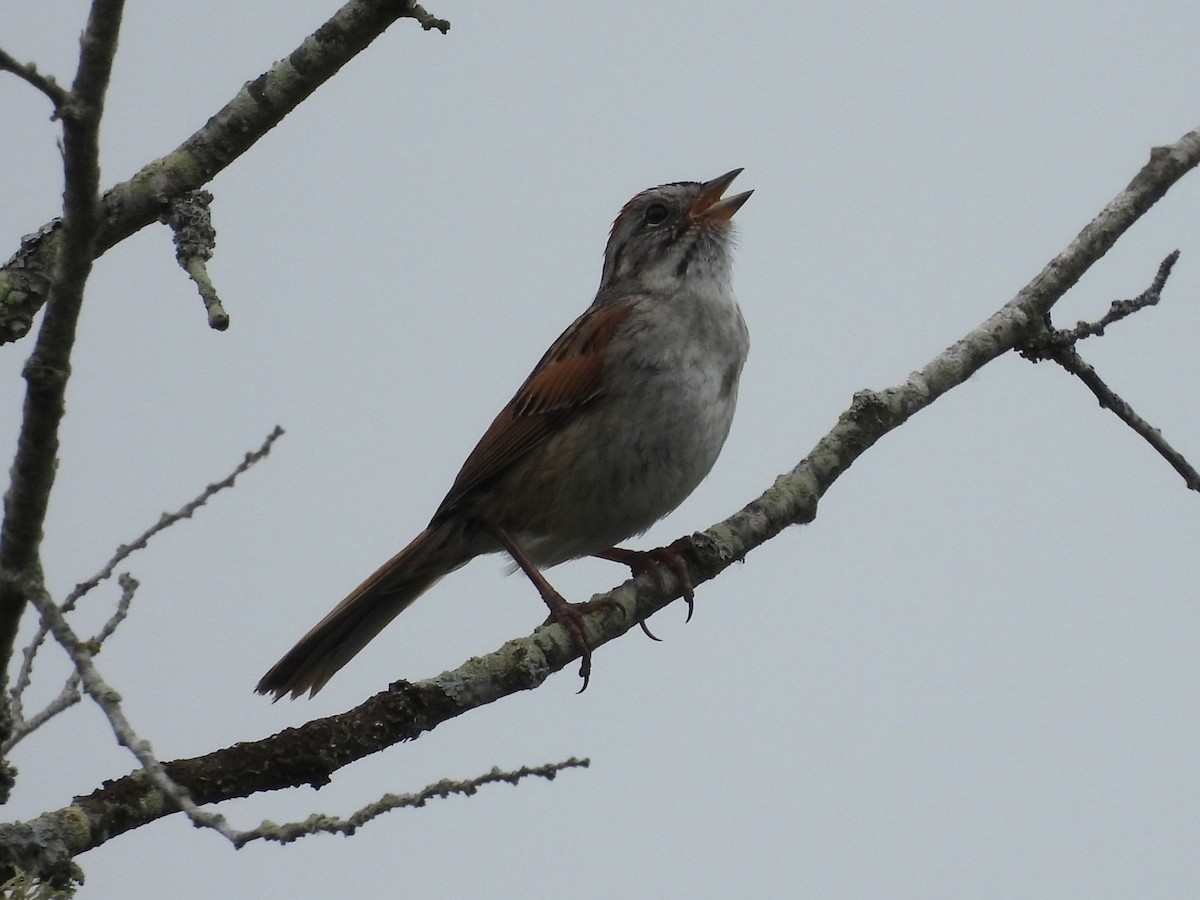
column 567, row 614
column 642, row 561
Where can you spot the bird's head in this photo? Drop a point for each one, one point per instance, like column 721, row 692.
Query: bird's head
column 668, row 234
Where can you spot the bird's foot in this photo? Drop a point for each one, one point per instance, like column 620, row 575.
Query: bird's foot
column 570, row 616
column 641, row 562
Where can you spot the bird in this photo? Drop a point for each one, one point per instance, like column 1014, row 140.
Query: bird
column 619, row 422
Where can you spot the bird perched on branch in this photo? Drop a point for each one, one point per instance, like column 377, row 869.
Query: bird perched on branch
column 617, row 424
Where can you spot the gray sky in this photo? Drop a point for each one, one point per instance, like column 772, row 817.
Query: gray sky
column 973, row 676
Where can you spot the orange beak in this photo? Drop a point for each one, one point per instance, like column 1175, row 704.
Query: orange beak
column 709, row 207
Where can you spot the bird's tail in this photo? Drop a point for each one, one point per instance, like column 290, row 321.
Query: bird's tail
column 350, row 626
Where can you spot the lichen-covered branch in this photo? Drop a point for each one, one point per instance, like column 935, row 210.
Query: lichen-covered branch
column 190, row 220
column 257, row 108
column 317, row 823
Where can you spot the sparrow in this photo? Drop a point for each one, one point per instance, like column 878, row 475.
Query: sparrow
column 618, row 423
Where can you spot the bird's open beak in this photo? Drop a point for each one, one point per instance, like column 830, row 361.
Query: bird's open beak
column 709, row 207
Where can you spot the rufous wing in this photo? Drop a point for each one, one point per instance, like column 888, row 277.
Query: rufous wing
column 566, row 379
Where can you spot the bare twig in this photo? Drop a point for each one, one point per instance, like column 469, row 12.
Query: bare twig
column 1122, row 308
column 166, row 520
column 69, row 695
column 1117, row 311
column 218, row 318
column 318, row 823
column 1059, row 345
column 123, row 552
column 1069, row 359
column 129, row 586
column 22, row 727
column 109, row 702
column 44, row 83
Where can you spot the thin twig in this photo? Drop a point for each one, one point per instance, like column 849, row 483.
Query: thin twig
column 22, row 728
column 319, row 823
column 1059, row 345
column 1117, row 311
column 69, row 695
column 123, row 552
column 129, row 586
column 168, row 519
column 44, row 83
column 218, row 318
column 109, row 702
column 1069, row 359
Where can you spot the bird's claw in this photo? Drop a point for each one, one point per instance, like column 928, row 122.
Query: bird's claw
column 641, row 562
column 570, row 616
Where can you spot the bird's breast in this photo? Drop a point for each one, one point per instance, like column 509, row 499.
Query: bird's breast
column 638, row 451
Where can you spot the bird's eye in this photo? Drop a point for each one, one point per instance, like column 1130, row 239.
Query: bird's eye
column 656, row 214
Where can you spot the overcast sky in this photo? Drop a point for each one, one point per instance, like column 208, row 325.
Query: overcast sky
column 974, row 675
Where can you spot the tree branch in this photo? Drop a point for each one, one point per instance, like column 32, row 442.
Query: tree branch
column 1059, row 345
column 322, row 824
column 45, row 83
column 1117, row 311
column 49, row 365
column 109, row 701
column 128, row 585
column 1068, row 357
column 190, row 220
column 257, row 108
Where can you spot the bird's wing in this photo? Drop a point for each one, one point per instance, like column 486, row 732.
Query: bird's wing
column 566, row 379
